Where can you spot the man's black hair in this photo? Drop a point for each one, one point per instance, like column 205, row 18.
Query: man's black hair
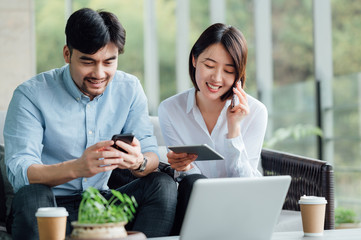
column 88, row 31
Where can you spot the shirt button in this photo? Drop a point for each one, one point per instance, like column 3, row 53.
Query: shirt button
column 88, row 106
column 90, row 132
column 77, row 99
column 85, row 179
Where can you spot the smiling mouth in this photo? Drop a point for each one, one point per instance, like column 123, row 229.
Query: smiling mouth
column 213, row 87
column 94, row 81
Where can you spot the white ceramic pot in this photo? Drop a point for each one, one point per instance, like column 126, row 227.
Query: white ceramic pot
column 98, row 231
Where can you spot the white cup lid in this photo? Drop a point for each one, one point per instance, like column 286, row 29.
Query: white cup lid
column 312, row 200
column 51, row 212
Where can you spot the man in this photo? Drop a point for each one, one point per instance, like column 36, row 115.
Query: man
column 58, row 130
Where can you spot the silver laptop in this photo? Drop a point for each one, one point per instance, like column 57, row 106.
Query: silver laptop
column 234, row 208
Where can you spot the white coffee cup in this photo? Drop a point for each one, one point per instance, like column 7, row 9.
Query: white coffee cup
column 52, row 223
column 313, row 215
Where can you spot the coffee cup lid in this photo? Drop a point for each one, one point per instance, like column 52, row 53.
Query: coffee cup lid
column 51, row 212
column 312, row 200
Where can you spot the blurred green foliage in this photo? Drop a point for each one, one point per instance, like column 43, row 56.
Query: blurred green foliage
column 344, row 215
column 296, row 132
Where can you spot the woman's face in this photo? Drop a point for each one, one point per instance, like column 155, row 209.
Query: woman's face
column 215, row 72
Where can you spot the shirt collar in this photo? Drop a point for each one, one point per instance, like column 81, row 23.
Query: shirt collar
column 191, row 101
column 70, row 85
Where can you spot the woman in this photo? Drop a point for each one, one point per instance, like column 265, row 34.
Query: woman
column 217, row 111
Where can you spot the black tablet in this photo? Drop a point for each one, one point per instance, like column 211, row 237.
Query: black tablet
column 203, row 151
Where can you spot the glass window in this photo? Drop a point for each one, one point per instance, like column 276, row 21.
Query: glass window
column 293, row 80
column 346, row 33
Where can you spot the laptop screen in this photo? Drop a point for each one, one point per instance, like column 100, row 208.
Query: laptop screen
column 234, row 208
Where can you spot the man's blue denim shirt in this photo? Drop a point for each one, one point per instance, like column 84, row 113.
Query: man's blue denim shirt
column 49, row 120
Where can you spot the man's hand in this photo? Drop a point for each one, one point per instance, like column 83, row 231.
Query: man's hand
column 181, row 161
column 100, row 157
column 133, row 157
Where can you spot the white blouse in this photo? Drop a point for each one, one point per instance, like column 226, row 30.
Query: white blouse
column 182, row 123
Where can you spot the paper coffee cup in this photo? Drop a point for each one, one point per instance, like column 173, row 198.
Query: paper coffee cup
column 52, row 223
column 313, row 215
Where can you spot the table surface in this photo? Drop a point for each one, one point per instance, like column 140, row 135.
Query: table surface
column 341, row 234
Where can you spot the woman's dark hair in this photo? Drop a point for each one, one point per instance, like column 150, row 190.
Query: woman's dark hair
column 233, row 41
column 88, row 31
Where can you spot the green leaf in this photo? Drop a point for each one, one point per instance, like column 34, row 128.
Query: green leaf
column 94, row 208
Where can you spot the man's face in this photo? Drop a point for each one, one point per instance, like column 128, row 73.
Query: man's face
column 92, row 72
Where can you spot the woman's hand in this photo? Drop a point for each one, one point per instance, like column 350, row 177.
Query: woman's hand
column 181, row 161
column 238, row 112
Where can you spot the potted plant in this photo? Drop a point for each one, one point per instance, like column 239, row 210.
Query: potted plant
column 346, row 218
column 99, row 218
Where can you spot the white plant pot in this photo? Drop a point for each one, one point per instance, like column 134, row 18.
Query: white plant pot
column 98, row 231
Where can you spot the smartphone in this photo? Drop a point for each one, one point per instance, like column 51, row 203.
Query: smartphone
column 127, row 138
column 234, row 96
column 233, row 100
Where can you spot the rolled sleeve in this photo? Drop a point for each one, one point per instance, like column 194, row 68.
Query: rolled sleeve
column 19, row 180
column 179, row 175
column 149, row 144
column 238, row 163
column 23, row 137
